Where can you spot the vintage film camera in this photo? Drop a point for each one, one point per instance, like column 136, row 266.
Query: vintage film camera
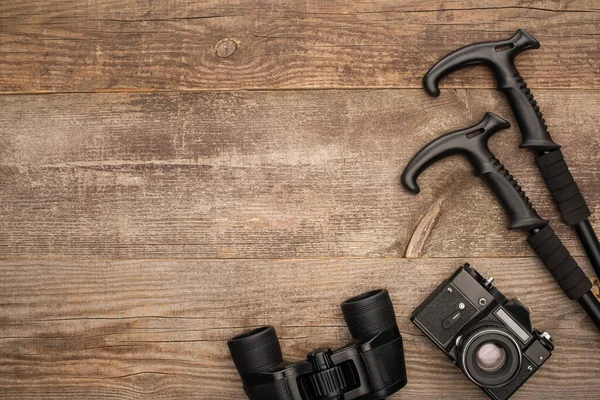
column 488, row 337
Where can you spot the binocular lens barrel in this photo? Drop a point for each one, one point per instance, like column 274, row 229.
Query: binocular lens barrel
column 369, row 313
column 256, row 350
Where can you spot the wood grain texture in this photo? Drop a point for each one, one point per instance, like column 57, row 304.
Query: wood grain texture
column 267, row 174
column 158, row 329
column 140, row 231
column 81, row 46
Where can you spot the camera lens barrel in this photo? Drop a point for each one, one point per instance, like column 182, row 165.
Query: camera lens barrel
column 369, row 313
column 490, row 357
column 256, row 350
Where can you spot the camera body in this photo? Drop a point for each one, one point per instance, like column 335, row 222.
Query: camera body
column 370, row 367
column 487, row 336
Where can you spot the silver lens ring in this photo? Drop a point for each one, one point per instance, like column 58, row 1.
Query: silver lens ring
column 467, row 345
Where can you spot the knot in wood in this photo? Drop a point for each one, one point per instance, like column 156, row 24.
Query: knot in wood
column 226, row 47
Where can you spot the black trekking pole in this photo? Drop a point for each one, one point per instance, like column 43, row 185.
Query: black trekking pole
column 500, row 56
column 472, row 142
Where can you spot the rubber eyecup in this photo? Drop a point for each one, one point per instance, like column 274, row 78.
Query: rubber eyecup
column 369, row 313
column 257, row 350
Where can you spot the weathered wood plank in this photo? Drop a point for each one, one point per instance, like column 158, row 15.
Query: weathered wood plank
column 266, row 174
column 65, row 46
column 157, row 329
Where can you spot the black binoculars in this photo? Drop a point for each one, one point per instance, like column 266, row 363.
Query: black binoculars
column 370, row 367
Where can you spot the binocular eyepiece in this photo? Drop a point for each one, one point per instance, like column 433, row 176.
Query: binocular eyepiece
column 372, row 364
column 369, row 313
column 257, row 350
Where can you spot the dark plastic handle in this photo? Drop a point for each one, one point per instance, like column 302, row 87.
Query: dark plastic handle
column 560, row 263
column 473, row 143
column 470, row 142
column 529, row 117
column 565, row 191
column 500, row 56
column 520, row 211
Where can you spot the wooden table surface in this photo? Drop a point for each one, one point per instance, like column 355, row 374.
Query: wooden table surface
column 175, row 172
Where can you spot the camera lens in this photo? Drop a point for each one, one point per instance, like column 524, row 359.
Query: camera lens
column 369, row 313
column 256, row 350
column 490, row 357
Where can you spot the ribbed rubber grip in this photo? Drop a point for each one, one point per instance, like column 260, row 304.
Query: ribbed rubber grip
column 527, row 112
column 513, row 199
column 563, row 187
column 527, row 92
column 558, row 260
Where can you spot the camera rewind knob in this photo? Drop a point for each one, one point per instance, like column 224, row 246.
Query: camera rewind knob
column 546, row 336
